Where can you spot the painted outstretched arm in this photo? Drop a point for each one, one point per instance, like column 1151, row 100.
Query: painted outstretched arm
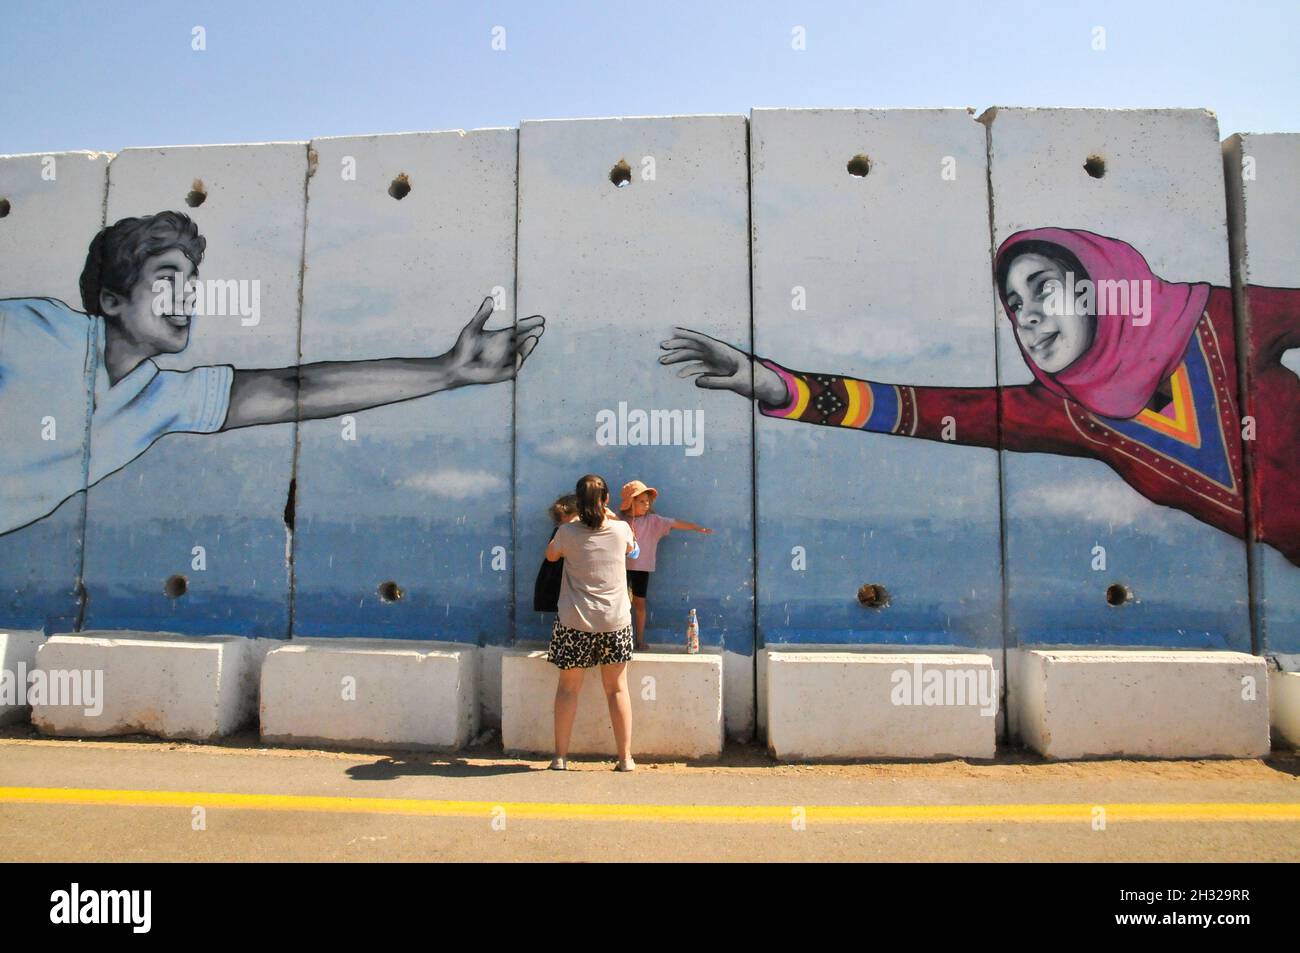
column 1274, row 319
column 963, row 415
column 329, row 388
column 1033, row 419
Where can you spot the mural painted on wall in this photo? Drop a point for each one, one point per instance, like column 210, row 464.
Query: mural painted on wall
column 139, row 292
column 1131, row 370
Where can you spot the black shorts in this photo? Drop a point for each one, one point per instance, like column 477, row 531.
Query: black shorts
column 638, row 580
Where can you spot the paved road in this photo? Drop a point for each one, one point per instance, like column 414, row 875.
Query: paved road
column 137, row 800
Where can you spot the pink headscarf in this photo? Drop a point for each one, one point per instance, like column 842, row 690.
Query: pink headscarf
column 1117, row 375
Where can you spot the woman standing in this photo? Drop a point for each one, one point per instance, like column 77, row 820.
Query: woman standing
column 594, row 626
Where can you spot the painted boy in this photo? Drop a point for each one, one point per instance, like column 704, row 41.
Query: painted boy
column 52, row 357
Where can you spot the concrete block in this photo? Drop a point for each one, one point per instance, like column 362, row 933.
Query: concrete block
column 995, row 658
column 1100, row 540
column 1284, row 706
column 1264, row 219
column 17, row 659
column 875, row 287
column 1145, row 704
column 165, row 519
column 56, row 205
column 676, row 706
column 846, row 705
column 171, row 686
column 427, row 478
column 623, row 265
column 374, row 693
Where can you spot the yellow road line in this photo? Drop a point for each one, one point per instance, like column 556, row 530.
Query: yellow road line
column 679, row 813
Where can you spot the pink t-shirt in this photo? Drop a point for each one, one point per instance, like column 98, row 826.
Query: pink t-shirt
column 649, row 530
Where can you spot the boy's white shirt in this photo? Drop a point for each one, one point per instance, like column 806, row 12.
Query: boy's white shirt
column 48, row 352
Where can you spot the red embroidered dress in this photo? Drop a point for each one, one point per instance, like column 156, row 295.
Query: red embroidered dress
column 1186, row 454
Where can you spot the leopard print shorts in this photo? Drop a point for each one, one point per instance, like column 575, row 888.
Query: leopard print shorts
column 573, row 648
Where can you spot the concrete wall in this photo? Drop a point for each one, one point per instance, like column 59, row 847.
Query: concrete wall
column 882, row 279
column 55, row 206
column 1162, row 193
column 1264, row 210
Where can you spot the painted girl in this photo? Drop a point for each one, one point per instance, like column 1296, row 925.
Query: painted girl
column 1129, row 369
column 54, row 359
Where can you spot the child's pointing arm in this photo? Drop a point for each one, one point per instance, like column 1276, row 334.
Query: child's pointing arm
column 683, row 524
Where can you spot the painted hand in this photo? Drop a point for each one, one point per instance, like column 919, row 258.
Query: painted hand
column 481, row 356
column 717, row 365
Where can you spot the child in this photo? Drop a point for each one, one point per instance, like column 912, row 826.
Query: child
column 564, row 510
column 649, row 528
column 546, row 590
column 55, row 357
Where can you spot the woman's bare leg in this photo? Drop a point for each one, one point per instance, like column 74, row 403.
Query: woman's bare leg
column 566, row 707
column 638, row 616
column 614, row 678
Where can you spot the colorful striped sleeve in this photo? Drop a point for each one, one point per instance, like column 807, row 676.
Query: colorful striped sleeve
column 837, row 401
column 962, row 415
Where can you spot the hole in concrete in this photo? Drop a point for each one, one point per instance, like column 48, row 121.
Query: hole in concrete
column 176, row 586
column 5, row 207
column 390, row 591
column 1117, row 594
column 290, row 504
column 873, row 596
column 621, row 174
column 1095, row 166
column 198, row 194
column 400, row 187
column 859, row 165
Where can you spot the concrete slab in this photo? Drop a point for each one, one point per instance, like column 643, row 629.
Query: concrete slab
column 1149, row 704
column 123, row 682
column 1263, row 218
column 17, row 658
column 1284, row 707
column 429, row 477
column 628, row 227
column 376, row 693
column 55, row 205
column 846, row 705
column 851, row 210
column 1089, row 560
column 162, row 551
column 676, row 706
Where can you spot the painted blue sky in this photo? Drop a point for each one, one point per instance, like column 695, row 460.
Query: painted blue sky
column 81, row 74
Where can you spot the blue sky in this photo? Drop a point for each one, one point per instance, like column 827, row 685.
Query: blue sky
column 94, row 75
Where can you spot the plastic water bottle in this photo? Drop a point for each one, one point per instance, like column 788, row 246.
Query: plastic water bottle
column 692, row 634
